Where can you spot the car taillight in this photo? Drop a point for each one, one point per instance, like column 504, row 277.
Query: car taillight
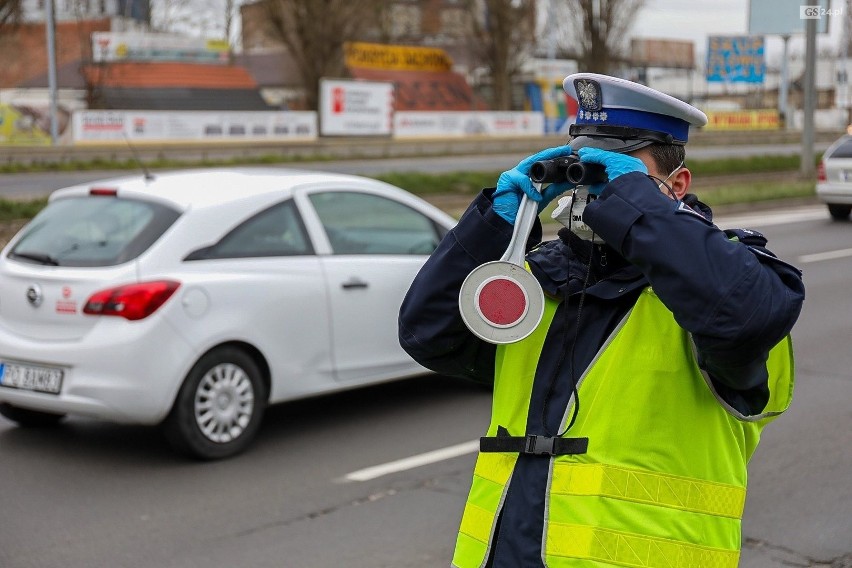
column 103, row 191
column 821, row 172
column 133, row 301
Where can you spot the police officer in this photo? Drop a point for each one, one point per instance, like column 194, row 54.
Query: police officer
column 621, row 427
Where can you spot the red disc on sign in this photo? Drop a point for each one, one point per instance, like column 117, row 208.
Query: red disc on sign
column 501, row 301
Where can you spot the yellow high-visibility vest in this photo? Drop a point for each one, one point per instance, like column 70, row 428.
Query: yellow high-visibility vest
column 663, row 483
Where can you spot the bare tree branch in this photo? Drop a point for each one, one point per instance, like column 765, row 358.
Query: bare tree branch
column 314, row 33
column 10, row 13
column 502, row 38
column 597, row 31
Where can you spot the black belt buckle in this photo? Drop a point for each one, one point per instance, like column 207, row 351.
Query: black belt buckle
column 540, row 445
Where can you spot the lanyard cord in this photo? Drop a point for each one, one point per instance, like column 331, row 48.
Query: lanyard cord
column 562, row 353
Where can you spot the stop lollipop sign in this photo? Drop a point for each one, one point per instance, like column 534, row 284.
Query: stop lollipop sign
column 500, row 301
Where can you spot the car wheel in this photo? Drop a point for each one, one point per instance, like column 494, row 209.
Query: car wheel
column 218, row 409
column 29, row 418
column 839, row 212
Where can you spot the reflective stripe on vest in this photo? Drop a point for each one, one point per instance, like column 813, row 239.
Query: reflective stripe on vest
column 651, row 488
column 663, row 483
column 567, row 543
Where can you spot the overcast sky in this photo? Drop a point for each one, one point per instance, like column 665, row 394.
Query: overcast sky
column 695, row 20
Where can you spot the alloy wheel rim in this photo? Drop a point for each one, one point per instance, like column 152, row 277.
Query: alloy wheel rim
column 224, row 403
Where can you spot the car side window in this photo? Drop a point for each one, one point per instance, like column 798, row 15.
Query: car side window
column 363, row 223
column 277, row 231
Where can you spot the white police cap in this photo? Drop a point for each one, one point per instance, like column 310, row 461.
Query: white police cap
column 622, row 116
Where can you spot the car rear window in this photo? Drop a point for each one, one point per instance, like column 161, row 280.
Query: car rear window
column 844, row 150
column 92, row 231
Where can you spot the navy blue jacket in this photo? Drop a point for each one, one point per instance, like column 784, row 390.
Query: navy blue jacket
column 734, row 296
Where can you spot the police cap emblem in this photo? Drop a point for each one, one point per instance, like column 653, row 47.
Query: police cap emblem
column 589, row 94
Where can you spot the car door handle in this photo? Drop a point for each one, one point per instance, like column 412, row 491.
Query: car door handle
column 354, row 283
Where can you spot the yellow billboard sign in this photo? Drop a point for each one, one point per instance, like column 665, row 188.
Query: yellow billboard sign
column 396, row 57
column 743, row 120
column 23, row 126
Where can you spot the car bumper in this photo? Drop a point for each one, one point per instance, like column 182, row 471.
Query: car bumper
column 834, row 193
column 121, row 371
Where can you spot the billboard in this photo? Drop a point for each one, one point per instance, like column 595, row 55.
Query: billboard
column 27, row 125
column 112, row 126
column 664, row 53
column 785, row 17
column 735, row 59
column 355, row 108
column 765, row 119
column 431, row 124
column 396, row 57
column 130, row 46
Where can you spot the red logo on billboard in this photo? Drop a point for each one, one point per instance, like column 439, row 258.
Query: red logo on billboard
column 338, row 97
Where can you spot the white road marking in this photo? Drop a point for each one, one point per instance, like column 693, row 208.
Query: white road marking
column 769, row 218
column 419, row 460
column 830, row 255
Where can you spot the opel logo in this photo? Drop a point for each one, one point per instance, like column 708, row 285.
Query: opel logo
column 34, row 295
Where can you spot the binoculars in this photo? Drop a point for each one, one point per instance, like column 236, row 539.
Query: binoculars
column 568, row 168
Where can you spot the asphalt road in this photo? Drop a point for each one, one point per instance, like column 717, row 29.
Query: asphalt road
column 91, row 494
column 35, row 185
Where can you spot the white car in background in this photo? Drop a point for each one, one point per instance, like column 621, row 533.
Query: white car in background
column 834, row 178
column 193, row 299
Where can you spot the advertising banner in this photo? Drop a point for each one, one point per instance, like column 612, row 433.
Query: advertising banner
column 545, row 94
column 107, row 126
column 766, row 119
column 136, row 46
column 355, row 108
column 396, row 57
column 416, row 124
column 664, row 53
column 25, row 125
column 737, row 59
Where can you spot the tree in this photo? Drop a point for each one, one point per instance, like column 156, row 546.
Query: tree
column 314, row 33
column 502, row 38
column 597, row 31
column 10, row 13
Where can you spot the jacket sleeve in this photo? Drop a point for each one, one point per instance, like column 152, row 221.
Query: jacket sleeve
column 738, row 301
column 431, row 329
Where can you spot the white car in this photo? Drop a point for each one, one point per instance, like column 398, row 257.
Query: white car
column 834, row 178
column 193, row 299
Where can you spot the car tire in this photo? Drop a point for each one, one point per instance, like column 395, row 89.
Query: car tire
column 219, row 407
column 839, row 212
column 30, row 418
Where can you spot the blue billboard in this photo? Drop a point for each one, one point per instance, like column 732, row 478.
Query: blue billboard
column 735, row 59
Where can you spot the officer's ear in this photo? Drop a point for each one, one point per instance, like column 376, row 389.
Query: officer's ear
column 680, row 182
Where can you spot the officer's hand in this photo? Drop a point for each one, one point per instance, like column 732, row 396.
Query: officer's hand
column 512, row 185
column 616, row 164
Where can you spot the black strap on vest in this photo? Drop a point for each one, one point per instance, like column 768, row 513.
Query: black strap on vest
column 533, row 445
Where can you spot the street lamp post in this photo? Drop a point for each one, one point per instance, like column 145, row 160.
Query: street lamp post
column 807, row 161
column 51, row 70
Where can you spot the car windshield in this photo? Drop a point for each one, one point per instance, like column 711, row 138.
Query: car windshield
column 843, row 150
column 92, row 231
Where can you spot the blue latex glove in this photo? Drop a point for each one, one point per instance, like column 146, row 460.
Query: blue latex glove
column 616, row 164
column 512, row 185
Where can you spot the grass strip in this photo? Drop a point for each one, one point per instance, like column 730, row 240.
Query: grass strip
column 11, row 210
column 756, row 192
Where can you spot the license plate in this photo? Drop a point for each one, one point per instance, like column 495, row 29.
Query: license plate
column 31, row 377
